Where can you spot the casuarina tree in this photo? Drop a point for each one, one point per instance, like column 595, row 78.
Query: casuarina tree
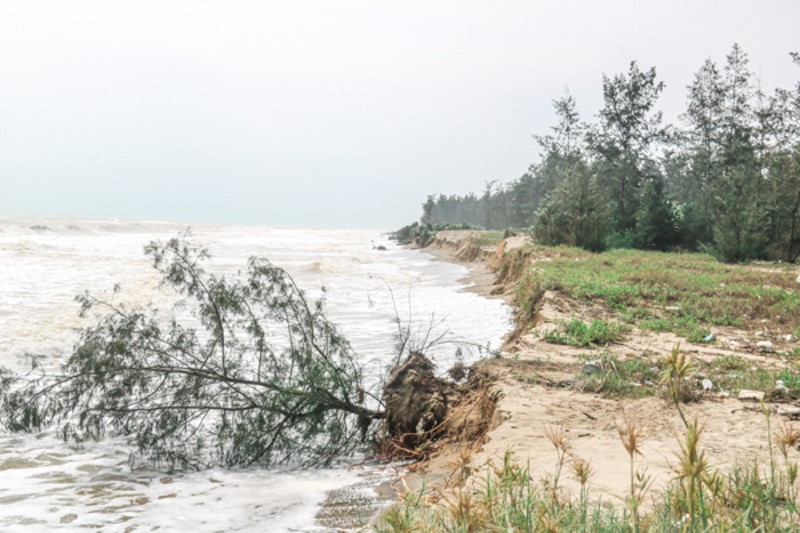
column 257, row 376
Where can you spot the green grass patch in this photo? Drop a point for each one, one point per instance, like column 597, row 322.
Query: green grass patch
column 629, row 378
column 579, row 333
column 733, row 373
column 688, row 294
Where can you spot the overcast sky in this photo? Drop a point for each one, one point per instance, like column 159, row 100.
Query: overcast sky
column 329, row 113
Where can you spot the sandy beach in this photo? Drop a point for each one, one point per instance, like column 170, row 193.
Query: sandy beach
column 535, row 380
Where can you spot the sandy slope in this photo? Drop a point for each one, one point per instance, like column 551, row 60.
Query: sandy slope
column 735, row 431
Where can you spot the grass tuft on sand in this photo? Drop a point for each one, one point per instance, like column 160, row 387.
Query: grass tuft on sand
column 698, row 498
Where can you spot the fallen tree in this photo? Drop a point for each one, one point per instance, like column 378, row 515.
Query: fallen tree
column 257, row 376
column 264, row 379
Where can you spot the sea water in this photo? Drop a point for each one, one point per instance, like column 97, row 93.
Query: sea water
column 47, row 484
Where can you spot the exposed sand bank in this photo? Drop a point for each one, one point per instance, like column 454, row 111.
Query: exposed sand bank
column 735, row 431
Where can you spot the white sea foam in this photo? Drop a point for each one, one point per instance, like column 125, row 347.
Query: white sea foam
column 44, row 263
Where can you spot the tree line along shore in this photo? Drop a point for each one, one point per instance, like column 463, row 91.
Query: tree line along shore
column 724, row 180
